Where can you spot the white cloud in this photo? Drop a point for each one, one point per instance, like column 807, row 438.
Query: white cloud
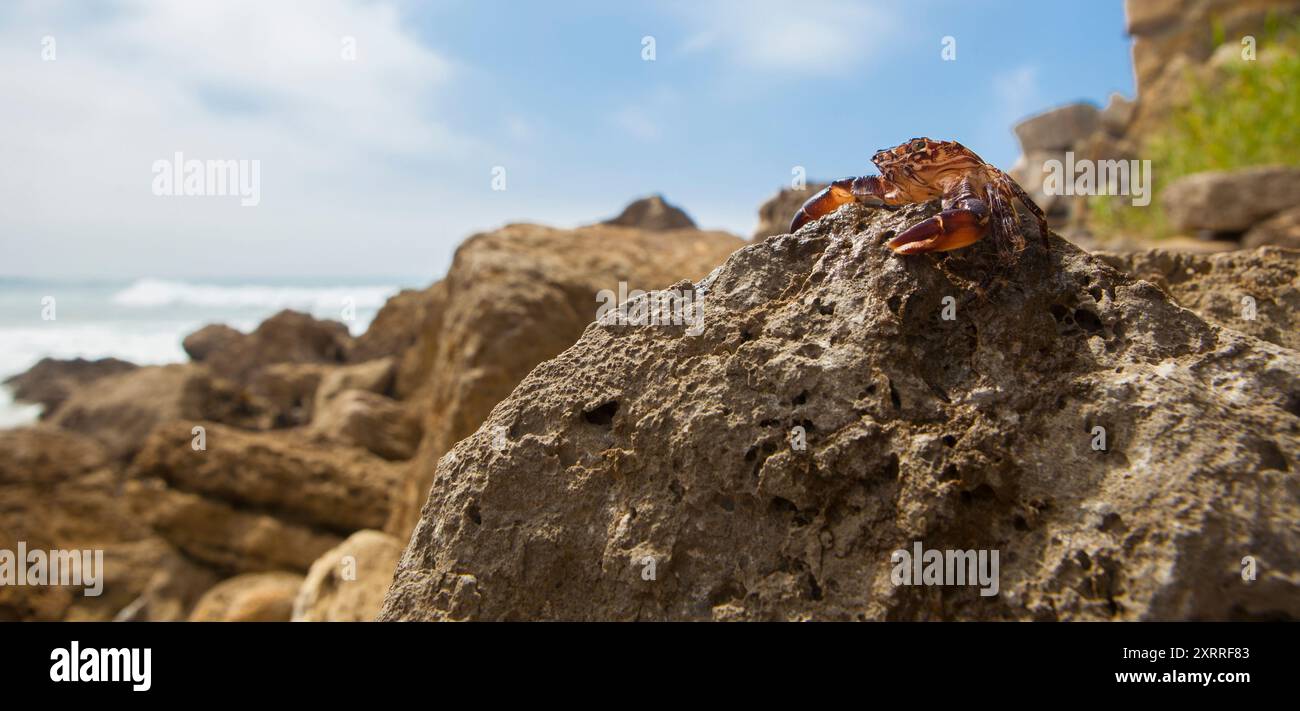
column 818, row 37
column 135, row 81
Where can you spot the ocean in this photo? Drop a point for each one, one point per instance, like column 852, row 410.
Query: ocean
column 144, row 320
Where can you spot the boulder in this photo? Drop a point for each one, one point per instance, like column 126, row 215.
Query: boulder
column 373, row 422
column 289, row 390
column 395, row 327
column 1119, row 453
column 375, row 376
column 51, row 380
column 348, row 583
column 1282, row 230
column 513, row 298
column 286, row 337
column 652, row 213
column 1059, row 129
column 775, row 215
column 216, row 338
column 62, row 491
column 1230, row 201
column 1253, row 291
column 227, row 538
column 1117, row 115
column 330, row 487
column 121, row 410
column 251, row 597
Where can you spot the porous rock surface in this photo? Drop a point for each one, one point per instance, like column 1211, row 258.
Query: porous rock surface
column 647, row 474
column 348, row 583
column 513, row 298
column 1216, row 287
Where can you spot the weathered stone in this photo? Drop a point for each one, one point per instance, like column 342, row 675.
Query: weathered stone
column 1216, row 287
column 1059, row 129
column 1281, row 230
column 652, row 213
column 1230, row 201
column 374, row 376
column 121, row 410
column 286, row 337
column 251, row 597
column 373, row 422
column 647, row 474
column 395, row 328
column 225, row 537
column 61, row 491
column 512, row 299
column 50, row 381
column 324, row 485
column 348, row 583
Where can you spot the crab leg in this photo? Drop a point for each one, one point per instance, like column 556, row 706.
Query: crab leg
column 963, row 221
column 871, row 190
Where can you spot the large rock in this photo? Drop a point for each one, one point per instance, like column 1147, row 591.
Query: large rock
column 225, row 537
column 331, row 487
column 348, row 583
column 60, row 490
column 1230, row 201
column 775, row 215
column 513, row 298
column 1255, row 292
column 251, row 597
column 646, row 474
column 396, row 326
column 373, row 422
column 51, row 380
column 652, row 213
column 1282, row 230
column 1058, row 129
column 287, row 337
column 121, row 410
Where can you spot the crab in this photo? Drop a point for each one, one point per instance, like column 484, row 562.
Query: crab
column 976, row 197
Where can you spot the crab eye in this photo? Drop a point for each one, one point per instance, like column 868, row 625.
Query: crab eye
column 918, row 144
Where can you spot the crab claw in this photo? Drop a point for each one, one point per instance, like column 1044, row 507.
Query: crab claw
column 950, row 229
column 826, row 201
column 870, row 190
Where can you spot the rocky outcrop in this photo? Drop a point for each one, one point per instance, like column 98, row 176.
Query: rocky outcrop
column 1255, row 292
column 512, row 299
column 775, row 215
column 348, row 583
column 1231, row 201
column 394, row 328
column 1122, row 455
column 287, row 337
column 652, row 213
column 1174, row 37
column 373, row 422
column 49, row 382
column 252, row 597
column 60, row 490
column 1282, row 230
column 1058, row 129
column 225, row 537
column 121, row 410
column 331, row 487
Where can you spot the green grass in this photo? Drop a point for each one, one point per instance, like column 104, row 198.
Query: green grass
column 1250, row 117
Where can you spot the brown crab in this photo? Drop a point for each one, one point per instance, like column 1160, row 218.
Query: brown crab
column 974, row 194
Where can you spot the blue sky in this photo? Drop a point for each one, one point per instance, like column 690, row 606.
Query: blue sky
column 381, row 166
